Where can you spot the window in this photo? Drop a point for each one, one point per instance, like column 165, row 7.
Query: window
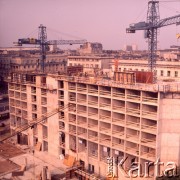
column 169, row 73
column 176, row 74
column 91, row 168
column 162, row 72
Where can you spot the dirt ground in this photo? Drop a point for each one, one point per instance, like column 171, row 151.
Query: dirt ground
column 8, row 151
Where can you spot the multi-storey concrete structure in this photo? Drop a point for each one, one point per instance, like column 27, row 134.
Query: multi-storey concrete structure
column 97, row 118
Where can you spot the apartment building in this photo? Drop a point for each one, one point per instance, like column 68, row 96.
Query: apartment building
column 91, row 63
column 94, row 118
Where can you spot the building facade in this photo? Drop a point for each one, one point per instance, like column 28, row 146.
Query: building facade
column 91, row 63
column 31, row 63
column 93, row 119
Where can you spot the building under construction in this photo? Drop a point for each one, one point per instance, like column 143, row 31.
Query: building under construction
column 93, row 118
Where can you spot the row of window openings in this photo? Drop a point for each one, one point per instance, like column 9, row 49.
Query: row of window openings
column 169, row 73
column 161, row 73
column 87, row 65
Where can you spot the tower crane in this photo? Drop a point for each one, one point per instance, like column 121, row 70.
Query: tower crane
column 44, row 43
column 151, row 27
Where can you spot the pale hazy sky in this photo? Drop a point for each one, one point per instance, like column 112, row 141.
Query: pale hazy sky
column 103, row 21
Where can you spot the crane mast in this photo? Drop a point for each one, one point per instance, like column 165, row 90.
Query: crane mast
column 151, row 27
column 42, row 36
column 152, row 18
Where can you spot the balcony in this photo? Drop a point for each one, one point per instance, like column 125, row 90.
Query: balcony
column 61, row 126
column 43, row 92
column 12, row 111
column 105, row 130
column 150, row 142
column 105, row 105
column 118, row 95
column 11, row 86
column 24, row 115
column 93, row 136
column 82, row 122
column 17, row 96
column 34, row 100
column 82, row 133
column 149, row 115
column 150, row 155
column 105, row 118
column 72, row 120
column 18, row 104
column 61, row 97
column 82, row 112
column 132, row 137
column 93, row 91
column 149, row 128
column 72, row 108
column 18, row 112
column 72, row 88
column 133, row 97
column 24, row 98
column 118, row 121
column 118, row 146
column 82, row 89
column 93, row 127
column 72, row 98
column 93, row 103
column 117, row 133
column 105, row 140
column 34, row 109
column 93, row 154
column 43, row 102
column 118, row 108
column 33, row 91
column 11, row 94
column 23, row 88
column 132, row 150
column 72, row 131
column 93, row 115
column 61, row 118
column 133, row 112
column 105, row 93
column 12, row 104
column 133, row 124
column 81, row 101
column 17, row 88
column 149, row 100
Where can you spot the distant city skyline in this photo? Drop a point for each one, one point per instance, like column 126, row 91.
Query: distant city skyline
column 103, row 21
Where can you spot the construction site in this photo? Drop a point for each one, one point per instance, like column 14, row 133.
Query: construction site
column 67, row 123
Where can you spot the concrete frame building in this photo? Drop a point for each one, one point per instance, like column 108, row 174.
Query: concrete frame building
column 96, row 118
